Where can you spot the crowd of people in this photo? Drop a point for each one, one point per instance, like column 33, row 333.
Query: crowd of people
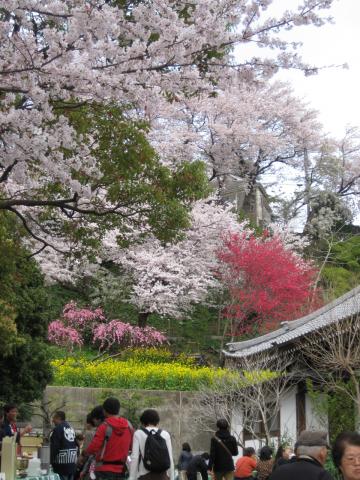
column 111, row 449
column 305, row 461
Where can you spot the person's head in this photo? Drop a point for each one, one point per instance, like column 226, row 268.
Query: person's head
column 313, row 444
column 279, row 453
column 186, row 447
column 249, row 452
column 266, row 453
column 58, row 417
column 150, row 417
column 111, row 407
column 222, row 424
column 346, row 455
column 96, row 416
column 205, row 456
column 10, row 412
column 284, row 451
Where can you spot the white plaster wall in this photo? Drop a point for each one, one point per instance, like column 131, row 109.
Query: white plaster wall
column 237, row 427
column 288, row 415
column 313, row 421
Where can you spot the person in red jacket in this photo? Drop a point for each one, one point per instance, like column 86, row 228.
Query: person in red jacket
column 111, row 443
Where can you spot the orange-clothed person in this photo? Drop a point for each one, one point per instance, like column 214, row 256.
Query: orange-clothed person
column 246, row 464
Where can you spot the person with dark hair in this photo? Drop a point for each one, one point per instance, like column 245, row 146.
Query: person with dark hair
column 198, row 463
column 86, row 464
column 111, row 443
column 139, row 457
column 265, row 463
column 246, row 464
column 8, row 426
column 282, row 456
column 311, row 456
column 223, row 447
column 63, row 447
column 346, row 455
column 184, row 460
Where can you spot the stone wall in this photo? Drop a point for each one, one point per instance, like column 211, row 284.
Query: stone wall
column 176, row 410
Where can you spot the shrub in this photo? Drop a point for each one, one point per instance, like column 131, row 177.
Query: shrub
column 156, row 355
column 117, row 334
column 79, row 326
column 133, row 374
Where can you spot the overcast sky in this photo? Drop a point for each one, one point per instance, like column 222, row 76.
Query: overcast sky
column 334, row 92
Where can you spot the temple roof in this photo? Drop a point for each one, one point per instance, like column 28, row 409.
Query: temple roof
column 335, row 311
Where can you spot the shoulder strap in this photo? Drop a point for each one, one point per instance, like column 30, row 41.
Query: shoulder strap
column 108, row 433
column 223, row 445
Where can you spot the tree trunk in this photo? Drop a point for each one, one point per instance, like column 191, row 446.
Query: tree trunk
column 142, row 319
column 307, row 186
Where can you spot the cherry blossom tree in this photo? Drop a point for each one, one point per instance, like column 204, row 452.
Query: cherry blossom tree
column 61, row 56
column 267, row 283
column 246, row 131
column 169, row 279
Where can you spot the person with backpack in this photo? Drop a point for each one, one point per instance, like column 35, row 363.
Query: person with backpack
column 111, row 443
column 222, row 448
column 151, row 457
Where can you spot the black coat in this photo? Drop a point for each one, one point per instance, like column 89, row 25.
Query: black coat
column 197, row 464
column 220, row 459
column 302, row 469
column 63, row 449
column 184, row 459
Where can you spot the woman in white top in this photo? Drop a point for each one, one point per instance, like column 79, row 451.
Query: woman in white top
column 149, row 420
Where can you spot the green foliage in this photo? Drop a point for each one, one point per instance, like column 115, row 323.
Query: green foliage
column 132, row 175
column 342, row 271
column 132, row 403
column 330, row 467
column 24, row 365
column 334, row 407
column 135, row 374
column 155, row 355
column 25, row 373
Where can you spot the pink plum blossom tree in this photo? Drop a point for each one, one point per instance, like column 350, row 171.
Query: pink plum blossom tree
column 78, row 326
column 117, row 334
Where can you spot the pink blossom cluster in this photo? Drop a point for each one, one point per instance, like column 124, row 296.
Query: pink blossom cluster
column 117, row 333
column 82, row 318
column 80, row 325
column 64, row 336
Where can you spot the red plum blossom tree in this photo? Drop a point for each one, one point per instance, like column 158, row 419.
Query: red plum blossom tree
column 267, row 282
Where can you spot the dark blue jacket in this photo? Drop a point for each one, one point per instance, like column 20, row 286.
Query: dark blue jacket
column 63, row 449
column 6, row 431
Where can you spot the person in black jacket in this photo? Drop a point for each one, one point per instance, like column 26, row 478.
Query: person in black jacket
column 184, row 460
column 222, row 448
column 312, row 451
column 198, row 463
column 63, row 447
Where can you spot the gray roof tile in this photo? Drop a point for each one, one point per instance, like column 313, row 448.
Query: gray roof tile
column 341, row 308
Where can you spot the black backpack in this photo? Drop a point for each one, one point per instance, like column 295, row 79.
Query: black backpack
column 156, row 454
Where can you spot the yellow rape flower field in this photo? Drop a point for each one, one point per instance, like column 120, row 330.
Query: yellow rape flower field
column 135, row 374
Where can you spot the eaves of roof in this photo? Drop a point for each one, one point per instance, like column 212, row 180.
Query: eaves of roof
column 341, row 308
